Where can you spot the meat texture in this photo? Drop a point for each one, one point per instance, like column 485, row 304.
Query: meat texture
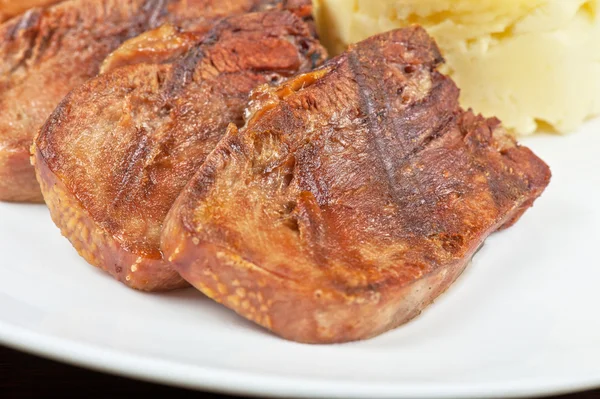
column 168, row 42
column 157, row 46
column 353, row 197
column 115, row 154
column 11, row 8
column 47, row 52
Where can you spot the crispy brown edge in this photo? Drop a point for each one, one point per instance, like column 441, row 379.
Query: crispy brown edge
column 93, row 243
column 303, row 312
column 15, row 171
column 299, row 311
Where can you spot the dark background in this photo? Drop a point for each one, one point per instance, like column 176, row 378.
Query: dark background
column 26, row 376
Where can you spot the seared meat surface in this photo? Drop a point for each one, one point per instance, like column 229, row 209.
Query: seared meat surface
column 353, row 197
column 117, row 151
column 47, row 52
column 168, row 42
column 161, row 45
column 11, row 8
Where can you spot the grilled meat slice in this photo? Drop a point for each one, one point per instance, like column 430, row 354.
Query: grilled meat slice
column 168, row 42
column 47, row 52
column 353, row 197
column 115, row 154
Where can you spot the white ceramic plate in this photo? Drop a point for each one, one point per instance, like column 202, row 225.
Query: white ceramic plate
column 522, row 320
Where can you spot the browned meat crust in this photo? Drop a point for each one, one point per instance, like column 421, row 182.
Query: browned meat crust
column 47, row 52
column 354, row 196
column 11, row 8
column 168, row 42
column 157, row 46
column 117, row 151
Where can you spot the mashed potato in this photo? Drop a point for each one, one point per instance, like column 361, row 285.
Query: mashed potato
column 533, row 63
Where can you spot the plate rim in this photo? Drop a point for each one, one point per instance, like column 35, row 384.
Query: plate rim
column 187, row 374
column 221, row 380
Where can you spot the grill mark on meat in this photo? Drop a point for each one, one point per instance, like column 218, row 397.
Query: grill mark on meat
column 45, row 42
column 22, row 63
column 369, row 95
column 361, row 245
column 125, row 143
column 157, row 10
column 367, row 109
column 183, row 70
column 130, row 177
column 91, row 29
column 30, row 20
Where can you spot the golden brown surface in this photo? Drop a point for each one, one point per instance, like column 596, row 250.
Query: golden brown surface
column 47, row 52
column 157, row 46
column 11, row 8
column 115, row 154
column 168, row 42
column 97, row 246
column 353, row 197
